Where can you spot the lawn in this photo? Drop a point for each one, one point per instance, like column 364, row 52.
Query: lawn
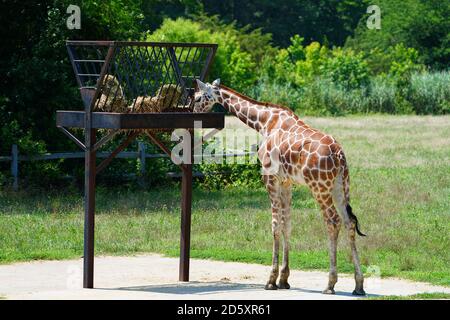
column 419, row 296
column 400, row 191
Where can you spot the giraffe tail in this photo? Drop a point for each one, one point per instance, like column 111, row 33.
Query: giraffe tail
column 354, row 219
column 346, row 185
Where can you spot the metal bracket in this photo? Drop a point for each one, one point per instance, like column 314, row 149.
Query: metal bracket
column 158, row 143
column 122, row 146
column 105, row 139
column 207, row 136
column 73, row 138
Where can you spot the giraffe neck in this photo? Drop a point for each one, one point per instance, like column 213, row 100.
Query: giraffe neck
column 257, row 115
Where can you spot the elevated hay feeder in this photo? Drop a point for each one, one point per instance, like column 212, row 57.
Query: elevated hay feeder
column 138, row 77
column 135, row 87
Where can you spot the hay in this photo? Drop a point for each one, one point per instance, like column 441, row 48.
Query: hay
column 112, row 98
column 167, row 97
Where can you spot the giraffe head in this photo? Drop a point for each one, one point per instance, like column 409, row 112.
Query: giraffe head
column 206, row 96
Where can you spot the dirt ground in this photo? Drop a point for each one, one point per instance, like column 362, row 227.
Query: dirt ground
column 155, row 277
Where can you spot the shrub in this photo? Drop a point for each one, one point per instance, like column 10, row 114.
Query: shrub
column 429, row 93
column 285, row 94
column 254, row 42
column 220, row 175
column 313, row 64
column 296, row 64
column 233, row 65
column 382, row 97
column 347, row 69
column 300, row 65
column 404, row 61
column 324, row 97
column 398, row 60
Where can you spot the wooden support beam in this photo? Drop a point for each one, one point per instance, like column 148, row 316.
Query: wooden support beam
column 113, row 154
column 156, row 141
column 186, row 207
column 185, row 236
column 89, row 210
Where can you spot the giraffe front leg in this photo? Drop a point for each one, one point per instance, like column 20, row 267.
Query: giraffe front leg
column 273, row 187
column 272, row 282
column 286, row 196
column 284, row 275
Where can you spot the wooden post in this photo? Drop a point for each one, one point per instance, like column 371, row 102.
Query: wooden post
column 89, row 210
column 15, row 166
column 90, row 171
column 141, row 151
column 186, row 204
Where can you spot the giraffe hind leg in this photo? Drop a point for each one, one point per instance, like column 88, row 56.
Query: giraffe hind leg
column 344, row 210
column 333, row 223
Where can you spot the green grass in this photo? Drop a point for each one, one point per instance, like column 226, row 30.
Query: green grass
column 419, row 296
column 400, row 190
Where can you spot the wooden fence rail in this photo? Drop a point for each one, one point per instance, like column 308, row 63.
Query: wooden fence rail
column 141, row 154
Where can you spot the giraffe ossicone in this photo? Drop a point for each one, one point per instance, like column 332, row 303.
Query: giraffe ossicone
column 291, row 153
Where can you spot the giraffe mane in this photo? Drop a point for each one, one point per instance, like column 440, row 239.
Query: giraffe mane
column 262, row 103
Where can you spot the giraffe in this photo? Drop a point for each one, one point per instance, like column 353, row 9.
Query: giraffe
column 291, row 153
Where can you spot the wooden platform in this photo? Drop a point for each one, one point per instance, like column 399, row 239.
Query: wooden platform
column 109, row 120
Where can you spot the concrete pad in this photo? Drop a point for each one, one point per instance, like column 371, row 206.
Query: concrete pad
column 155, row 277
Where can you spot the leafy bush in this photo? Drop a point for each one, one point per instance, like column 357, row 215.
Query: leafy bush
column 220, row 175
column 296, row 64
column 404, row 61
column 324, row 97
column 276, row 92
column 382, row 98
column 300, row 65
column 234, row 66
column 253, row 41
column 347, row 69
column 429, row 93
column 315, row 80
column 424, row 93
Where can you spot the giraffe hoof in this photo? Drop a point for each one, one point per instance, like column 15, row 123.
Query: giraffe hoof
column 359, row 292
column 270, row 286
column 284, row 285
column 328, row 291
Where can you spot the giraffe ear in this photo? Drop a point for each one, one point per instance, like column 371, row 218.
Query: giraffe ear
column 216, row 83
column 201, row 86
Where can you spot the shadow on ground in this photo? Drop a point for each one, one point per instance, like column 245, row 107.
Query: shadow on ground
column 201, row 288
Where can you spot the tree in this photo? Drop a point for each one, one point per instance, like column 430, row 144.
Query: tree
column 419, row 24
column 37, row 75
column 316, row 20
